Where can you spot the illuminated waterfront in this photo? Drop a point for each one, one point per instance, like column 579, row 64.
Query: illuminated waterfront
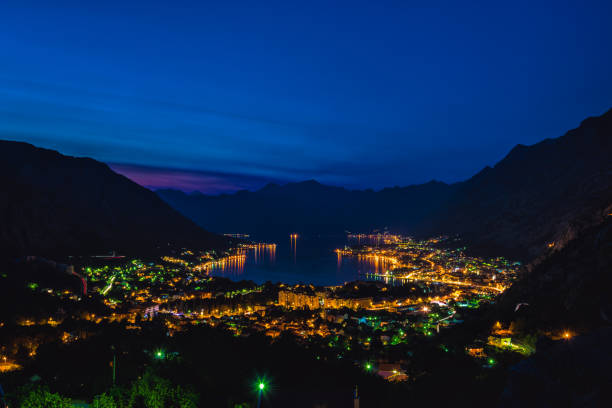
column 356, row 301
column 335, row 260
column 301, row 259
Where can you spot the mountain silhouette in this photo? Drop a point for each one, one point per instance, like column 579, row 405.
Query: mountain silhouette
column 51, row 204
column 538, row 196
column 532, row 202
column 310, row 207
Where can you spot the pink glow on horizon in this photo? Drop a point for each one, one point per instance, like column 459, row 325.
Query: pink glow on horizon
column 185, row 180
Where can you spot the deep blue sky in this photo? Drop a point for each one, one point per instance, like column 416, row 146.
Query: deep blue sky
column 363, row 94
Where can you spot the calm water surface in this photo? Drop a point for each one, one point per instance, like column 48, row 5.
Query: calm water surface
column 307, row 259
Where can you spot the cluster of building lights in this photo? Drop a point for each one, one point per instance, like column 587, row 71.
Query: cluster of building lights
column 341, row 318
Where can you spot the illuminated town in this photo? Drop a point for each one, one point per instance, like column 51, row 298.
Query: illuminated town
column 305, row 204
column 415, row 289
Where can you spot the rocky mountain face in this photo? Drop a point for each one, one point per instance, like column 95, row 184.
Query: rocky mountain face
column 569, row 288
column 530, row 204
column 568, row 291
column 51, row 204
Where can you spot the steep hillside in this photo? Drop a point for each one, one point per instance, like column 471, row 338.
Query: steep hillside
column 569, row 291
column 537, row 195
column 52, row 204
column 570, row 288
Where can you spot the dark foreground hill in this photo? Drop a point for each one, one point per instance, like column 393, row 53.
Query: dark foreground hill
column 536, row 196
column 569, row 291
column 572, row 373
column 53, row 204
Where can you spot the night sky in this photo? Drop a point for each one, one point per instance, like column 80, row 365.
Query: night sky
column 220, row 96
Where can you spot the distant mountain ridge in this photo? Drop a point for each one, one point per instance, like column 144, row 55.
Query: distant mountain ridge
column 310, row 207
column 532, row 202
column 51, row 204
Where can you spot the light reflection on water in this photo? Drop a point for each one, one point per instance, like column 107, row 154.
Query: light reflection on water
column 303, row 259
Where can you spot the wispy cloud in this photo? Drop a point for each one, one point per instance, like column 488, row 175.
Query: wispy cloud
column 188, row 181
column 150, row 132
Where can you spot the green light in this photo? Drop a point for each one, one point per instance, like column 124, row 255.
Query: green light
column 262, row 386
column 491, row 361
column 368, row 366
